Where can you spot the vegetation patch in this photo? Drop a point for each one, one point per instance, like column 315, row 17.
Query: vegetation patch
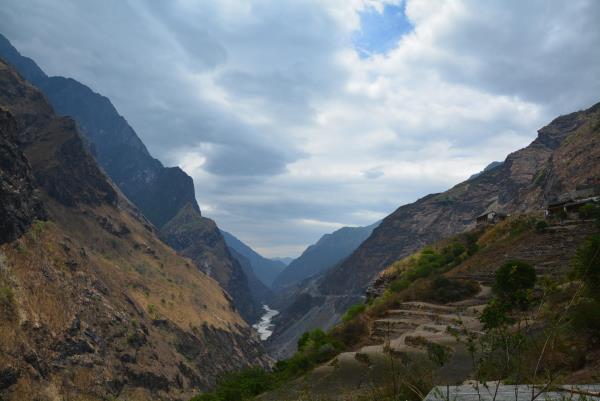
column 7, row 302
column 353, row 311
column 444, row 290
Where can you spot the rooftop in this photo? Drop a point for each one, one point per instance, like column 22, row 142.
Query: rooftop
column 487, row 392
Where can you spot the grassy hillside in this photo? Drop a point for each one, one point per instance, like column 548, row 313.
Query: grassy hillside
column 437, row 320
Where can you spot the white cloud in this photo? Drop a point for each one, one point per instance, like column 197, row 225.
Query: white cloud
column 283, row 126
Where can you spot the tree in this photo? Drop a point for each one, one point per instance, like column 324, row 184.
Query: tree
column 513, row 282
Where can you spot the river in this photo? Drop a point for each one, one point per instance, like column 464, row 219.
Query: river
column 264, row 325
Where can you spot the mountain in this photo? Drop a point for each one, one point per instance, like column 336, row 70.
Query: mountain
column 328, row 251
column 487, row 168
column 265, row 269
column 260, row 292
column 161, row 193
column 286, row 260
column 564, row 157
column 93, row 305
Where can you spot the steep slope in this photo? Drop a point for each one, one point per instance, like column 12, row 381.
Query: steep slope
column 93, row 305
column 328, row 251
column 526, row 181
column 259, row 291
column 265, row 269
column 564, row 157
column 159, row 192
column 19, row 202
column 285, row 260
column 199, row 239
column 405, row 320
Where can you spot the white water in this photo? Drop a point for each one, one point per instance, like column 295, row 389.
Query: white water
column 264, row 325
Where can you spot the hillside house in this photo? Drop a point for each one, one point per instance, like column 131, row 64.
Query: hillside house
column 490, row 217
column 569, row 207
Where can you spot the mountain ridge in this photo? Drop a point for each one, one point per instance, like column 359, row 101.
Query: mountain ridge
column 159, row 192
column 564, row 157
column 93, row 304
column 265, row 269
column 329, row 250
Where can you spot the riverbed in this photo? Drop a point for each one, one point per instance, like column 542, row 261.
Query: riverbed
column 264, row 327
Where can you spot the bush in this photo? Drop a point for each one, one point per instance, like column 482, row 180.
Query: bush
column 7, row 302
column 586, row 266
column 445, row 290
column 240, row 386
column 541, row 226
column 354, row 311
column 585, row 316
column 589, row 211
column 513, row 282
column 494, row 315
column 350, row 333
column 429, row 261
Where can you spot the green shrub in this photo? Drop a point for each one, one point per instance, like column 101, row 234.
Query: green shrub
column 585, row 316
column 7, row 302
column 495, row 314
column 350, row 333
column 586, row 265
column 429, row 262
column 239, row 386
column 354, row 311
column 445, row 290
column 541, row 226
column 589, row 211
column 513, row 282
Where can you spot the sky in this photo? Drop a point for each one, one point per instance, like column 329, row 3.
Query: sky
column 298, row 117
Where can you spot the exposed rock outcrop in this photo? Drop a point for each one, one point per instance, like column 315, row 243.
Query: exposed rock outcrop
column 19, row 202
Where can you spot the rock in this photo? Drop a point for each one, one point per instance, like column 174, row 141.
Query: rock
column 8, row 377
column 19, row 202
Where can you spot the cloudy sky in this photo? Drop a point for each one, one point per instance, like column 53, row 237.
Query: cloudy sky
column 298, row 117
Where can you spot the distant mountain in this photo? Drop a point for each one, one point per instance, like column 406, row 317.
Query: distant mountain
column 260, row 292
column 93, row 305
column 286, row 261
column 265, row 269
column 325, row 253
column 487, row 168
column 161, row 193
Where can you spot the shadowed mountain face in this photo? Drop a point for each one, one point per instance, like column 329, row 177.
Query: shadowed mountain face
column 161, row 193
column 328, row 251
column 158, row 191
column 265, row 269
column 94, row 305
column 19, row 202
column 564, row 157
column 285, row 260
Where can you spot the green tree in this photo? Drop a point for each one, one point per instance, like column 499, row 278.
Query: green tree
column 514, row 280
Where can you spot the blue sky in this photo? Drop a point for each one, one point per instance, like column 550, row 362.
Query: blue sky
column 380, row 30
column 288, row 131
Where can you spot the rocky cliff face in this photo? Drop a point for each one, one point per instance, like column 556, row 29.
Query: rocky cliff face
column 92, row 304
column 159, row 192
column 564, row 157
column 19, row 202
